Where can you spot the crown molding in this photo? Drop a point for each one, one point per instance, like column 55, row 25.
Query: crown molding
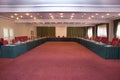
column 60, row 8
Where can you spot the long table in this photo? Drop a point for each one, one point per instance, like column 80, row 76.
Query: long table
column 103, row 50
column 12, row 51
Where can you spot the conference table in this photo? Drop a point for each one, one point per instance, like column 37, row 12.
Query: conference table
column 12, row 51
column 101, row 49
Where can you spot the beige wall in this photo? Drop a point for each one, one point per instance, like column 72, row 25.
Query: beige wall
column 61, row 31
column 25, row 29
column 5, row 23
column 19, row 29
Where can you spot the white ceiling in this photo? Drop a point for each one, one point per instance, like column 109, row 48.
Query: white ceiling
column 38, row 2
column 84, row 11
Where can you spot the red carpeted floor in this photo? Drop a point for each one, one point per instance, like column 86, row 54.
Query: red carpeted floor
column 59, row 61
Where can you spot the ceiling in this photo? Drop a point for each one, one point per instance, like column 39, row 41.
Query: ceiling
column 69, row 12
column 34, row 2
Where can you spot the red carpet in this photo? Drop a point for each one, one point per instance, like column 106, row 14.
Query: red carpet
column 59, row 61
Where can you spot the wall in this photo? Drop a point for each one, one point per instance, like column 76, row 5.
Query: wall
column 19, row 29
column 5, row 23
column 61, row 31
column 24, row 29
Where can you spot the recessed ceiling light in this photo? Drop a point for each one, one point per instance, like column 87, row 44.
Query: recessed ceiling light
column 21, row 16
column 61, row 14
column 84, row 13
column 89, row 17
column 51, row 16
column 37, row 13
column 31, row 16
column 34, row 18
column 102, row 16
column 17, row 18
column 96, row 14
column 50, row 13
column 73, row 14
column 92, row 16
column 108, row 14
column 27, row 14
column 119, row 14
column 15, row 14
column 12, row 16
column 82, row 16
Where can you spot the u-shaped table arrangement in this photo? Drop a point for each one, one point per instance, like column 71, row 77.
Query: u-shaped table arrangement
column 103, row 50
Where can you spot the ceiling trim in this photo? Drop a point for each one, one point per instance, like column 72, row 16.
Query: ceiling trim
column 60, row 8
column 67, row 25
column 60, row 5
column 60, row 20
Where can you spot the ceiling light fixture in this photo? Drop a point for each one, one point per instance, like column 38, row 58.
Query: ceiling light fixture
column 61, row 14
column 17, row 18
column 34, row 18
column 12, row 16
column 107, row 14
column 31, row 16
column 84, row 13
column 21, row 16
column 119, row 14
column 15, row 14
column 37, row 13
column 89, row 18
column 102, row 16
column 96, row 14
column 73, row 14
column 27, row 14
column 92, row 16
column 50, row 13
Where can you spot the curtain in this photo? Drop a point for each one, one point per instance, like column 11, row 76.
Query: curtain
column 6, row 33
column 96, row 28
column 46, row 31
column 118, row 31
column 102, row 30
column 93, row 29
column 107, row 30
column 90, row 32
column 115, row 22
column 76, row 31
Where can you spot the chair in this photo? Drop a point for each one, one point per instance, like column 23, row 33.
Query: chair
column 104, row 40
column 115, row 42
column 14, row 41
column 5, row 42
column 1, row 40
